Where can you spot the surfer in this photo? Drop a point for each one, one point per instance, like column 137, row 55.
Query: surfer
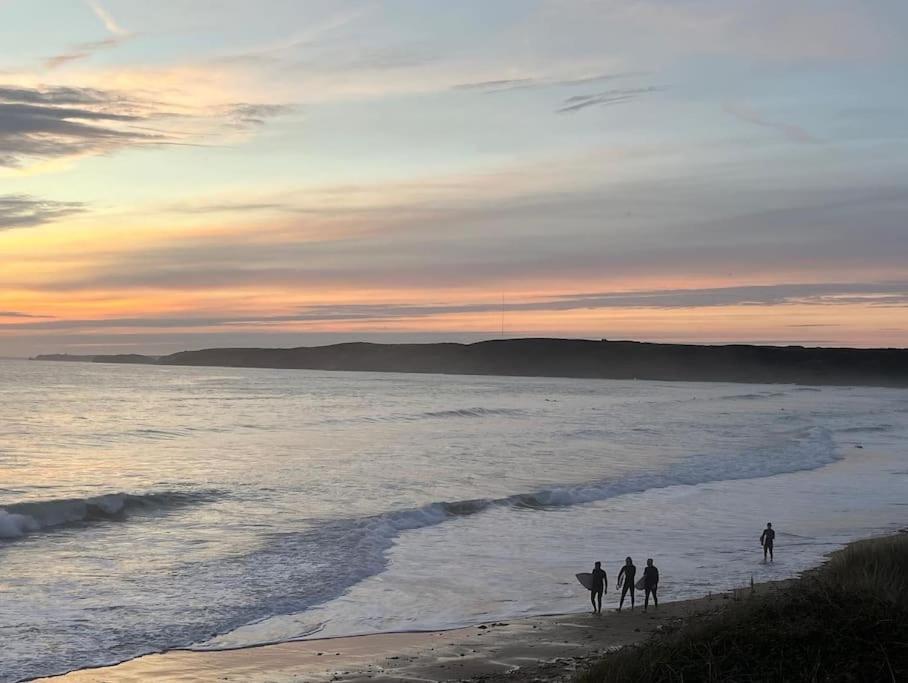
column 626, row 576
column 650, row 583
column 766, row 539
column 598, row 585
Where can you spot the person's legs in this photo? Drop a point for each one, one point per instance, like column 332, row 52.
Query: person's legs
column 646, row 590
column 623, row 593
column 599, row 599
column 770, row 553
column 765, row 551
column 655, row 598
column 632, row 596
column 593, row 599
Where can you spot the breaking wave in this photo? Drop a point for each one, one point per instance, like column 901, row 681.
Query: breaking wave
column 352, row 549
column 812, row 449
column 19, row 519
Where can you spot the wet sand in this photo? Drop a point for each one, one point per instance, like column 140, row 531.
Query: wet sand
column 549, row 648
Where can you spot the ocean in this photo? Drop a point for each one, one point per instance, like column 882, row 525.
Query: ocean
column 144, row 508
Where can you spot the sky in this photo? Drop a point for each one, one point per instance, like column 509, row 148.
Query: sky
column 185, row 174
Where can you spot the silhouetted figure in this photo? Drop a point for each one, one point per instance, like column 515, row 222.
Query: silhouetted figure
column 598, row 586
column 766, row 540
column 650, row 584
column 626, row 576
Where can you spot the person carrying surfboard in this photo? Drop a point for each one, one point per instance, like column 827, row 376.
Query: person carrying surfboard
column 650, row 583
column 598, row 585
column 766, row 540
column 626, row 577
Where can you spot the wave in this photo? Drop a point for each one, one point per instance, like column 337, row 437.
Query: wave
column 350, row 550
column 158, row 434
column 814, row 448
column 753, row 397
column 588, row 433
column 472, row 412
column 454, row 413
column 867, row 428
column 19, row 519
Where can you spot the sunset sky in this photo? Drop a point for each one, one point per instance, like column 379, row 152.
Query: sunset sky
column 183, row 174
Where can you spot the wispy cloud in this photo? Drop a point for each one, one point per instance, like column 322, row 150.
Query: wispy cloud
column 53, row 123
column 42, row 123
column 80, row 51
column 885, row 294
column 18, row 314
column 57, row 95
column 24, row 211
column 424, row 239
column 498, row 85
column 608, row 97
column 244, row 114
column 790, row 131
column 107, row 19
column 228, row 207
column 505, row 85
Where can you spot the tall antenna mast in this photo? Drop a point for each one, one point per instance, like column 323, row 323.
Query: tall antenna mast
column 502, row 314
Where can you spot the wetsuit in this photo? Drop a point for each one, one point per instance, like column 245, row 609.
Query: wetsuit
column 650, row 585
column 597, row 587
column 767, row 538
column 630, row 574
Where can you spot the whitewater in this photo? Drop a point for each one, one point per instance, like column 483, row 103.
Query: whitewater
column 146, row 508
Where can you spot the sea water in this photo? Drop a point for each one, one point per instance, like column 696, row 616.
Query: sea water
column 145, row 508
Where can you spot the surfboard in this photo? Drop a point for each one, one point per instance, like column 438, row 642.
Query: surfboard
column 641, row 584
column 586, row 580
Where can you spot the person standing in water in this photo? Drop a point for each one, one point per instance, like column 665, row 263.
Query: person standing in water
column 626, row 576
column 766, row 540
column 650, row 583
column 598, row 587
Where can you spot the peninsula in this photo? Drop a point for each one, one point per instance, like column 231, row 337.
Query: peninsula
column 577, row 358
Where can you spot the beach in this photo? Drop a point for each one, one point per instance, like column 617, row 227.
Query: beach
column 545, row 648
column 814, row 627
column 160, row 509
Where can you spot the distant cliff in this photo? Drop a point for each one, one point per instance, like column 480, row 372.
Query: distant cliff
column 565, row 358
column 582, row 358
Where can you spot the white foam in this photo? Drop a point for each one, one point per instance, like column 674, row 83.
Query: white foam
column 14, row 526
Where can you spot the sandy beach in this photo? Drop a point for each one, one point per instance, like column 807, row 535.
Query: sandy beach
column 548, row 648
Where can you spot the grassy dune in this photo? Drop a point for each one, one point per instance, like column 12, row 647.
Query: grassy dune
column 846, row 621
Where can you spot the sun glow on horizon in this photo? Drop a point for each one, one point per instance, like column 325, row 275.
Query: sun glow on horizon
column 318, row 172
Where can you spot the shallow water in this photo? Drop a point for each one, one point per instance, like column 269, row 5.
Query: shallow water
column 147, row 507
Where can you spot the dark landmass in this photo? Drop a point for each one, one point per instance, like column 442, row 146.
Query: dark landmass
column 569, row 358
column 846, row 621
column 119, row 358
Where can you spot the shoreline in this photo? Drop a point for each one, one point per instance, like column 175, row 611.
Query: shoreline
column 544, row 648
